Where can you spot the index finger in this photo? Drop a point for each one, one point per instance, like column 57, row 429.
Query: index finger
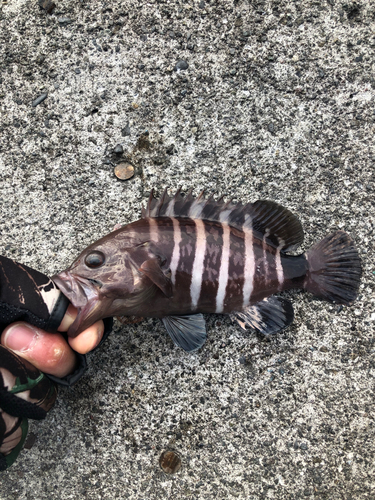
column 88, row 339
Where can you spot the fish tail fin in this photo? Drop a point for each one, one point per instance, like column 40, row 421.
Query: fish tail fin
column 334, row 269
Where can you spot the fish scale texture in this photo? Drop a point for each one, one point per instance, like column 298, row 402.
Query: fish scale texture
column 276, row 103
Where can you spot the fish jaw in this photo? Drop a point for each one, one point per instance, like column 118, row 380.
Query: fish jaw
column 85, row 297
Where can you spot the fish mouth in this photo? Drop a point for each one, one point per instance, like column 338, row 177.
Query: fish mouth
column 83, row 293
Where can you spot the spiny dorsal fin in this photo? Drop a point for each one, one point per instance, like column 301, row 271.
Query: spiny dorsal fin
column 266, row 218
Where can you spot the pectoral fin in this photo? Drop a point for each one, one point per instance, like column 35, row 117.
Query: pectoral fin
column 267, row 316
column 188, row 332
column 151, row 268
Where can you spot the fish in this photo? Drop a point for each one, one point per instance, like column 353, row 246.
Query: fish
column 188, row 256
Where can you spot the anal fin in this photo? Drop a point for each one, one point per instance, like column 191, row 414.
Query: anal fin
column 188, row 332
column 267, row 316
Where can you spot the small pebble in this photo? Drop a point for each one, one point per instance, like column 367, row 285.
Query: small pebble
column 124, row 171
column 170, row 462
column 64, row 20
column 181, row 65
column 159, row 160
column 47, row 5
column 126, row 130
column 39, row 99
column 118, row 149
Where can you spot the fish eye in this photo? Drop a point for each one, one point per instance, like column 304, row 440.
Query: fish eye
column 94, row 259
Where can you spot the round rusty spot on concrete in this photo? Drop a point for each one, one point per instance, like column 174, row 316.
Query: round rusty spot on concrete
column 170, row 462
column 124, row 171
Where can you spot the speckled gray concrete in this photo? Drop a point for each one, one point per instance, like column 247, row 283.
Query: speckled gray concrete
column 278, row 103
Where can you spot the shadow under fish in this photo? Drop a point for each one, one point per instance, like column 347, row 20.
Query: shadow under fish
column 188, row 256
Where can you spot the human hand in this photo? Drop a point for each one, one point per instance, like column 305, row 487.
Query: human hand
column 51, row 353
column 32, row 309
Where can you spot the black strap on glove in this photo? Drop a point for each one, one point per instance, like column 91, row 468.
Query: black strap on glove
column 25, row 392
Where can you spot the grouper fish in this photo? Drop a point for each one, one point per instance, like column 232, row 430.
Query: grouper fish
column 188, row 256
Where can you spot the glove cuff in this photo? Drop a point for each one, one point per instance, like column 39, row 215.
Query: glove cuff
column 72, row 378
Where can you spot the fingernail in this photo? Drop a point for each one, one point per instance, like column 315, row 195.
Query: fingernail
column 20, row 337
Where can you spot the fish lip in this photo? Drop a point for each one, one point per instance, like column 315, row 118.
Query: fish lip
column 84, row 296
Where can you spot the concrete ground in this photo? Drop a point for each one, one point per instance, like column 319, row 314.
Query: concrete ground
column 277, row 102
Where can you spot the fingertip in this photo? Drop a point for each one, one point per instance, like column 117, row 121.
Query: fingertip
column 88, row 339
column 68, row 319
column 49, row 352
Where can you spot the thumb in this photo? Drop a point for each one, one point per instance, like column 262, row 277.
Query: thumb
column 49, row 352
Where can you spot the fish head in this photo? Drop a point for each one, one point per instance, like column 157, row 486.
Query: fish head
column 103, row 281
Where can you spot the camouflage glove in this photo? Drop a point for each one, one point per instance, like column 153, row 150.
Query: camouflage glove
column 30, row 296
column 25, row 392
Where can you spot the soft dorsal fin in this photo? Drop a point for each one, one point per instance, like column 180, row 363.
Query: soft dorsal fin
column 266, row 218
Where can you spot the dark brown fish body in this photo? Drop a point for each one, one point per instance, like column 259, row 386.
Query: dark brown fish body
column 190, row 256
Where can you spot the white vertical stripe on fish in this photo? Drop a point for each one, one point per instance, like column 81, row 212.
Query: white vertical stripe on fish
column 249, row 270
column 197, row 272
column 224, row 268
column 279, row 266
column 265, row 261
column 176, row 249
column 170, row 210
column 154, row 230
